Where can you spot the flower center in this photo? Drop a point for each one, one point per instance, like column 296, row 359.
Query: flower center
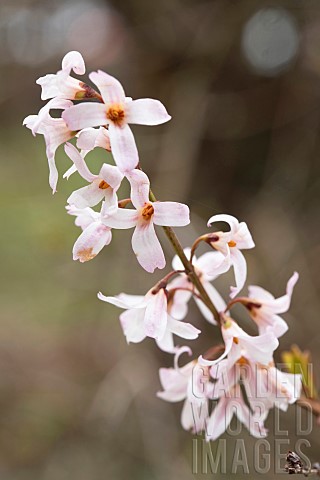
column 242, row 361
column 147, row 211
column 232, row 244
column 116, row 114
column 103, row 185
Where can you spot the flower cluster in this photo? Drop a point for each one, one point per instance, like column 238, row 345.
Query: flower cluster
column 111, row 113
column 101, row 119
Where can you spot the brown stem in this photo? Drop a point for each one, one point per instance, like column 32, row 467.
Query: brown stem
column 164, row 281
column 213, row 352
column 189, row 267
column 195, row 246
column 191, row 290
column 123, row 203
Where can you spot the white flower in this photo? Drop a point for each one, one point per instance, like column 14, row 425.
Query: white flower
column 148, row 316
column 230, row 245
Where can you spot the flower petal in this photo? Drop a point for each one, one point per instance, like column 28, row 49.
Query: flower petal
column 243, row 237
column 110, row 88
column 232, row 221
column 216, row 299
column 176, row 262
column 140, row 187
column 219, row 420
column 240, row 271
column 132, row 323
column 259, row 349
column 171, row 214
column 91, row 242
column 121, row 219
column 146, row 111
column 147, row 247
column 125, row 301
column 166, row 343
column 73, row 61
column 85, row 115
column 178, row 308
column 174, row 384
column 155, row 319
column 183, row 329
column 79, row 162
column 228, row 345
column 87, row 196
column 70, row 171
column 89, row 138
column 123, row 147
column 260, row 294
column 84, row 216
column 111, row 175
column 282, row 304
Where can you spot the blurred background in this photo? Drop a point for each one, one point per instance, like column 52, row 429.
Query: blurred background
column 241, row 80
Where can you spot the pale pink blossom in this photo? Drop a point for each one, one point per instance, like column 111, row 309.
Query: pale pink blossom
column 61, row 84
column 230, row 245
column 117, row 112
column 54, row 130
column 187, row 384
column 207, row 267
column 264, row 308
column 102, row 186
column 148, row 316
column 95, row 234
column 256, row 349
column 145, row 243
column 87, row 140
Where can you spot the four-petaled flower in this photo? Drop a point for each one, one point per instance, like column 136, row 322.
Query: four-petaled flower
column 95, row 234
column 116, row 111
column 264, row 308
column 145, row 243
column 148, row 316
column 102, row 186
column 62, row 85
column 230, row 245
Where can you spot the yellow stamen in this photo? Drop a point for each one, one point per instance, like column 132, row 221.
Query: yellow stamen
column 232, row 243
column 147, row 211
column 103, row 185
column 116, row 114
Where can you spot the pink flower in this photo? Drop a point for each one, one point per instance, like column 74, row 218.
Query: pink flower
column 95, row 234
column 54, row 130
column 257, row 349
column 187, row 384
column 117, row 112
column 147, row 316
column 61, row 84
column 102, row 187
column 204, row 267
column 264, row 308
column 230, row 245
column 145, row 243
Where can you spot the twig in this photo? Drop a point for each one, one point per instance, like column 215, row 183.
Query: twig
column 294, row 466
